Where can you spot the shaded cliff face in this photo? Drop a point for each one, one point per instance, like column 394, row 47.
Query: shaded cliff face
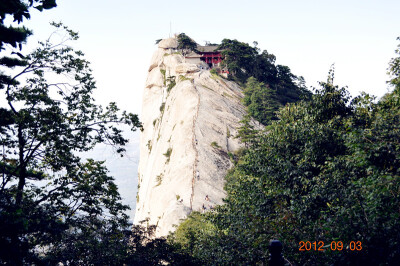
column 188, row 131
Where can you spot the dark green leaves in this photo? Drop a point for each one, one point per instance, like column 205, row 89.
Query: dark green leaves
column 327, row 170
column 267, row 86
column 261, row 101
column 185, row 43
column 50, row 117
column 13, row 36
column 20, row 11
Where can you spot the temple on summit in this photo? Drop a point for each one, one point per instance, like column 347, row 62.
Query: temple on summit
column 208, row 54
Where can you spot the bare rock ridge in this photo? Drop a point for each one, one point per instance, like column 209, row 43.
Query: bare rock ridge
column 188, row 133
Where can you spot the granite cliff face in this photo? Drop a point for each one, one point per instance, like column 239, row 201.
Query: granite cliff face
column 189, row 129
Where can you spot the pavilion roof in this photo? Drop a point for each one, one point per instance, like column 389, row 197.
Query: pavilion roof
column 207, row 49
column 193, row 55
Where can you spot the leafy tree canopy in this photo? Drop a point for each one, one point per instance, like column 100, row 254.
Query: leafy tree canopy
column 394, row 69
column 261, row 101
column 46, row 191
column 267, row 86
column 15, row 36
column 185, row 43
column 327, row 170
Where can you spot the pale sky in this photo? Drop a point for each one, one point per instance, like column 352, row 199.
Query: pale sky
column 308, row 36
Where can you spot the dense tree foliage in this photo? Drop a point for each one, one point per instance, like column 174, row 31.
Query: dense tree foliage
column 244, row 61
column 247, row 132
column 267, row 86
column 186, row 44
column 16, row 36
column 113, row 245
column 239, row 58
column 394, row 69
column 46, row 191
column 327, row 170
column 261, row 101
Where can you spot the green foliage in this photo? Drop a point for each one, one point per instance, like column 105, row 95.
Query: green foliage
column 159, row 179
column 226, row 95
column 171, row 83
column 193, row 234
column 178, row 197
column 200, row 238
column 134, row 246
column 267, row 86
column 215, row 145
column 261, row 101
column 239, row 58
column 48, row 195
column 162, row 107
column 327, row 170
column 213, row 71
column 20, row 11
column 236, row 155
column 183, row 78
column 246, row 131
column 228, row 132
column 145, row 249
column 186, row 44
column 394, row 69
column 168, row 154
column 164, row 75
column 278, row 188
column 231, row 156
column 16, row 36
column 158, row 41
column 149, row 145
column 12, row 62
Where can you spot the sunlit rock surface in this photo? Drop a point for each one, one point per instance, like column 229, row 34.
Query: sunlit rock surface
column 188, row 133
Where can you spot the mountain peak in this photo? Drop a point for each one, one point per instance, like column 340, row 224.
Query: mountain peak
column 190, row 118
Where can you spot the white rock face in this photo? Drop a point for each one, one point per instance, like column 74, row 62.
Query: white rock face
column 168, row 43
column 185, row 68
column 179, row 166
column 157, row 58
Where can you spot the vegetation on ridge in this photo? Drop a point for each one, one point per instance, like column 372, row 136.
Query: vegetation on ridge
column 326, row 170
column 267, row 86
column 186, row 44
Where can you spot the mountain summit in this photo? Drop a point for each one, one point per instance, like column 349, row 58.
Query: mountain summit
column 190, row 118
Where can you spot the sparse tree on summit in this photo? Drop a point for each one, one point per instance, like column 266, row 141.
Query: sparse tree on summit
column 186, row 44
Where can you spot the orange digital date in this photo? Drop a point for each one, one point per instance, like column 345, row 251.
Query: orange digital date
column 335, row 245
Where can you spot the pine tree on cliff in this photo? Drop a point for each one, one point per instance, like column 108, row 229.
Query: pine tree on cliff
column 186, row 44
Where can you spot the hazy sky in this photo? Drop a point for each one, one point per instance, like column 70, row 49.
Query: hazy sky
column 308, row 36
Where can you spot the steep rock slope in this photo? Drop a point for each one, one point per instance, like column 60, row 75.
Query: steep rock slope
column 188, row 133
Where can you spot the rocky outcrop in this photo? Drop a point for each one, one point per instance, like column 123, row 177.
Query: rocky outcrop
column 168, row 43
column 188, row 134
column 185, row 68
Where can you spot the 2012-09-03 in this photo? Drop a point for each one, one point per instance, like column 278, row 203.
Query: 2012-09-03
column 334, row 246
